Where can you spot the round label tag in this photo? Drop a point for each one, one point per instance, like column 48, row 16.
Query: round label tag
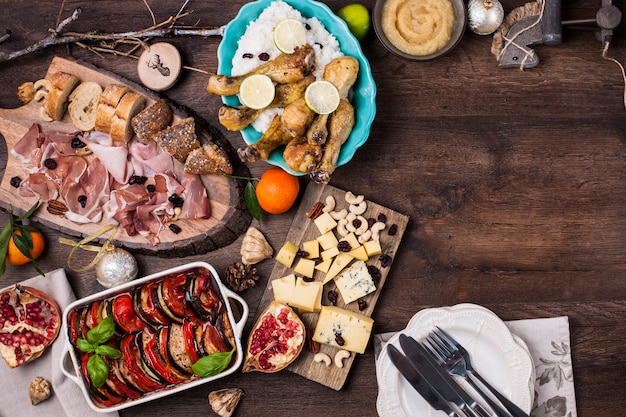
column 159, row 66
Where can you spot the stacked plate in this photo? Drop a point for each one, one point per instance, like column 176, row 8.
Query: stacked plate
column 498, row 355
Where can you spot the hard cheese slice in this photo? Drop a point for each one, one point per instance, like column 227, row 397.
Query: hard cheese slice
column 337, row 325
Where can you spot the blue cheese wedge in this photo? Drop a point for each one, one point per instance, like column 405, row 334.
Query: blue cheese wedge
column 343, row 328
column 355, row 282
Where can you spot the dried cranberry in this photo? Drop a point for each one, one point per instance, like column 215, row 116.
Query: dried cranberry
column 302, row 253
column 247, row 55
column 82, row 199
column 151, row 188
column 175, row 228
column 374, row 273
column 382, row 218
column 362, row 305
column 344, row 246
column 176, row 200
column 16, row 181
column 339, row 340
column 385, row 260
column 332, row 297
column 370, row 222
column 307, row 26
column 50, row 163
column 137, row 179
column 393, row 229
column 77, row 143
column 307, row 279
column 264, row 56
column 356, row 223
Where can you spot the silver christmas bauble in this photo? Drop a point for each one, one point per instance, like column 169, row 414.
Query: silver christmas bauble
column 116, row 267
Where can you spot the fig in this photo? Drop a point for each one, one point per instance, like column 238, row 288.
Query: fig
column 276, row 339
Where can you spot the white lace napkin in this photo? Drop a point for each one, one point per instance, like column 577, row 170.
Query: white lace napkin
column 67, row 399
column 548, row 341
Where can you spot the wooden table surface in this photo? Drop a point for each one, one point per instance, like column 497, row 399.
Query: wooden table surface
column 514, row 182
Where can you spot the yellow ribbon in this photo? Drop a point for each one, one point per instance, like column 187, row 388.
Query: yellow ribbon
column 82, row 244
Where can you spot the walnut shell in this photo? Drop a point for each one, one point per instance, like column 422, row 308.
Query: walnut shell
column 254, row 247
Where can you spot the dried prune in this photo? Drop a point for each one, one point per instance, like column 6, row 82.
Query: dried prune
column 175, row 228
column 385, row 260
column 50, row 163
column 82, row 199
column 16, row 181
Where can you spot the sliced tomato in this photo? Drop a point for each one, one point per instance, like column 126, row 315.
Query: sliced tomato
column 103, row 394
column 93, row 316
column 72, row 330
column 159, row 363
column 123, row 385
column 201, row 295
column 146, row 309
column 145, row 363
column 124, row 314
column 132, row 360
column 172, row 296
column 190, row 341
column 162, row 305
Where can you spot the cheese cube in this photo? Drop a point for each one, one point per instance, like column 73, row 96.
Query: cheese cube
column 306, row 296
column 312, row 248
column 355, row 282
column 328, row 240
column 325, row 265
column 372, row 247
column 341, row 261
column 283, row 288
column 287, row 254
column 330, row 253
column 336, row 323
column 359, row 253
column 325, row 223
column 352, row 240
column 305, row 267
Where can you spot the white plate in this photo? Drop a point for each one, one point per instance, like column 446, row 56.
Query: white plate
column 499, row 356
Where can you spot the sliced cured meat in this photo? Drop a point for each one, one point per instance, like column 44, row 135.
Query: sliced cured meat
column 84, row 197
column 113, row 155
column 148, row 159
column 197, row 204
column 27, row 145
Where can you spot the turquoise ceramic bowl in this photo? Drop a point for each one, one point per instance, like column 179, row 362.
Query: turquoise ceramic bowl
column 364, row 99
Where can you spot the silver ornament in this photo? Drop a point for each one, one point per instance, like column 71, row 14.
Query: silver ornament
column 484, row 16
column 115, row 267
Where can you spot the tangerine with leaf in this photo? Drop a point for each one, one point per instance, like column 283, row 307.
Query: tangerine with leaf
column 20, row 243
column 277, row 190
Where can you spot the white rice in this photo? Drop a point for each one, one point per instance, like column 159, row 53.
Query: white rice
column 258, row 39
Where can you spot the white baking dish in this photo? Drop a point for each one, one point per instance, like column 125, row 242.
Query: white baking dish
column 71, row 366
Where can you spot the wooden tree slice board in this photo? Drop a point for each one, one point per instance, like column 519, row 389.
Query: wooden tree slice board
column 303, row 229
column 229, row 216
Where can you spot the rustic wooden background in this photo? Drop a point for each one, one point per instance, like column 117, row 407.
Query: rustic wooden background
column 513, row 181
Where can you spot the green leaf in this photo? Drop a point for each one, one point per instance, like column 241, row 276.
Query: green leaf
column 85, row 345
column 251, row 201
column 212, row 364
column 98, row 370
column 24, row 242
column 29, row 212
column 108, row 351
column 102, row 332
column 5, row 236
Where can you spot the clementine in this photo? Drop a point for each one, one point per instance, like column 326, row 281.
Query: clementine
column 277, row 190
column 16, row 257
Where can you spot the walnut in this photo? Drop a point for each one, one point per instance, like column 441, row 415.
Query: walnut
column 240, row 277
column 254, row 247
column 26, row 92
column 38, row 390
column 224, row 401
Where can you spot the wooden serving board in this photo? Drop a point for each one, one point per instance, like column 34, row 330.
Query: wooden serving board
column 303, row 229
column 229, row 216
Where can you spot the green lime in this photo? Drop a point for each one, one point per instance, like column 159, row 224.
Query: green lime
column 358, row 19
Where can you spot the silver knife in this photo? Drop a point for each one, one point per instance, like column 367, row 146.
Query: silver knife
column 421, row 385
column 443, row 382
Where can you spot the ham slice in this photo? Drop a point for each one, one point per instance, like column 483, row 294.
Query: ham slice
column 113, row 155
column 197, row 204
column 27, row 145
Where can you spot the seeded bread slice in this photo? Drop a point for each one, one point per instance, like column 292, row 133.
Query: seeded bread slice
column 179, row 140
column 83, row 103
column 130, row 104
column 55, row 103
column 151, row 120
column 208, row 159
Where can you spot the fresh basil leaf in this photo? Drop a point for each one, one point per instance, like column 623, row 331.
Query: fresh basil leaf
column 252, row 201
column 212, row 364
column 108, row 351
column 85, row 345
column 102, row 332
column 98, row 370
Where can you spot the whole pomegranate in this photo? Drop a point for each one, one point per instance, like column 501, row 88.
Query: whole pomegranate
column 275, row 341
column 29, row 323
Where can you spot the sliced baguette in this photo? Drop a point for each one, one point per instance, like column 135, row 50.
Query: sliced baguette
column 208, row 159
column 109, row 100
column 55, row 102
column 151, row 120
column 179, row 140
column 83, row 103
column 130, row 104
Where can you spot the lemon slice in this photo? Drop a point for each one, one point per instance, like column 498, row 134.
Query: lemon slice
column 257, row 91
column 322, row 97
column 289, row 33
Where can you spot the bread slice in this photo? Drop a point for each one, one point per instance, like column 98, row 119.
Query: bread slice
column 179, row 140
column 208, row 159
column 83, row 103
column 151, row 120
column 55, row 103
column 109, row 100
column 130, row 104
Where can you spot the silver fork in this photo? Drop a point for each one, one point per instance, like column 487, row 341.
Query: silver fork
column 457, row 361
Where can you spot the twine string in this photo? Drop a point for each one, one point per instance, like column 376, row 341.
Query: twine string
column 528, row 52
column 82, row 244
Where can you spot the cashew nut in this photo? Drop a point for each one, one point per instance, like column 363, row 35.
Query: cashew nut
column 40, row 95
column 341, row 227
column 322, row 357
column 354, row 199
column 337, row 215
column 330, row 204
column 44, row 115
column 340, row 356
column 365, row 236
column 363, row 227
column 358, row 209
column 376, row 228
column 350, row 226
column 43, row 83
column 177, row 212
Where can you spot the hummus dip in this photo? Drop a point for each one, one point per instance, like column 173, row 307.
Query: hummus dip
column 418, row 27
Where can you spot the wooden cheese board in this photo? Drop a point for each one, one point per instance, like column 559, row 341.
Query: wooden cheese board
column 303, row 229
column 229, row 215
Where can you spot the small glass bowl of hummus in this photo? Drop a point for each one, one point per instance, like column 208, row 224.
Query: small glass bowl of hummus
column 419, row 30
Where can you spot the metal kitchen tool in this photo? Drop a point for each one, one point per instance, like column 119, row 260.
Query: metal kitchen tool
column 546, row 29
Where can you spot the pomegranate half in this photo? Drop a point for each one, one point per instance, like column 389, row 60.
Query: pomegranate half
column 29, row 323
column 276, row 339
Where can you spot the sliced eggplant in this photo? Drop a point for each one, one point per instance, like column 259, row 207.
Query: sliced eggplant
column 163, row 349
column 164, row 303
column 202, row 297
column 177, row 349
